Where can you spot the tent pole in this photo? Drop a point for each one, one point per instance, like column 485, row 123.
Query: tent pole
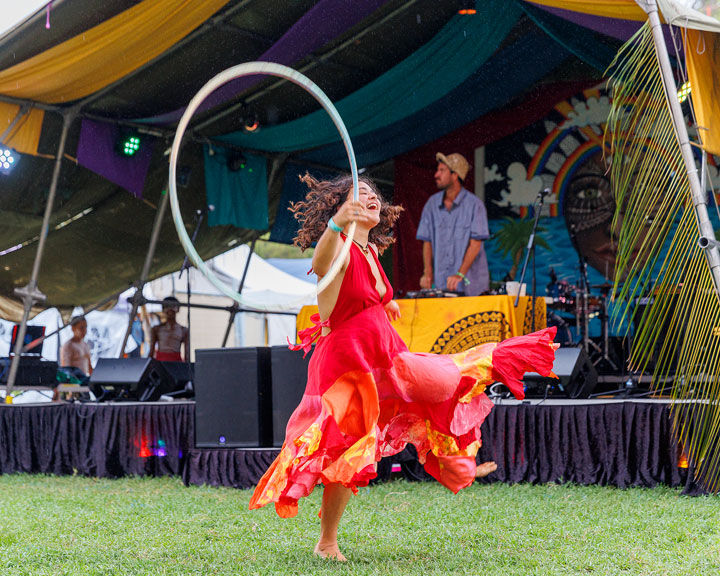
column 31, row 103
column 137, row 298
column 199, row 215
column 30, row 293
column 236, row 306
column 24, row 109
column 707, row 233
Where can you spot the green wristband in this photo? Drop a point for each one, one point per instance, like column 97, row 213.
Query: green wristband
column 464, row 278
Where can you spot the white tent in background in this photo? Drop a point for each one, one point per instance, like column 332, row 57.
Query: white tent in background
column 264, row 284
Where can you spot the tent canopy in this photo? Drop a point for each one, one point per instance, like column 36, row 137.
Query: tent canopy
column 138, row 66
column 101, row 247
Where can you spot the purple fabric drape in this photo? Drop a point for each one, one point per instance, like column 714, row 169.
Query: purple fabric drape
column 614, row 27
column 97, row 152
column 326, row 20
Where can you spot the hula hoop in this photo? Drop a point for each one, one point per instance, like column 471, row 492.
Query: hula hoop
column 248, row 69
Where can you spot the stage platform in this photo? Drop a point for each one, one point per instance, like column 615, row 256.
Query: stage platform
column 619, row 443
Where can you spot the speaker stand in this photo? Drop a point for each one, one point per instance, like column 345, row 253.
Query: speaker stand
column 149, row 391
column 604, row 352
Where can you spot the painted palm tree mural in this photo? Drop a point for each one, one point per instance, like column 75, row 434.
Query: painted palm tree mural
column 512, row 239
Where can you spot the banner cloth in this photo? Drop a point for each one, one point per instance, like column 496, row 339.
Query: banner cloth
column 449, row 325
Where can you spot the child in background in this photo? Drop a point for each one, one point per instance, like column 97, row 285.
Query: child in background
column 170, row 337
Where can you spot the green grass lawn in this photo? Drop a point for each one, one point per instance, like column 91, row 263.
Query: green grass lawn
column 75, row 525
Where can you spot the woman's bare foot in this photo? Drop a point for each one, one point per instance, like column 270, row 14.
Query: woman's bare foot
column 331, row 552
column 484, row 469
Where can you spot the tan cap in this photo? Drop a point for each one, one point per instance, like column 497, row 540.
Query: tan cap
column 456, row 163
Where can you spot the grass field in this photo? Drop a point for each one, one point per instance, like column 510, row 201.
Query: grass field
column 74, row 525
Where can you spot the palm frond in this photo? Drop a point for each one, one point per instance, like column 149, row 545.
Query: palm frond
column 658, row 256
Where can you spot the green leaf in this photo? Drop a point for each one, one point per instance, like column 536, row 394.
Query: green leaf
column 658, row 257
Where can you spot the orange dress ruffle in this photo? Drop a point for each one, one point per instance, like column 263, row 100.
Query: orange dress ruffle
column 367, row 397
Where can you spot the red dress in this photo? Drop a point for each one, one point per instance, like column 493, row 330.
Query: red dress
column 367, row 396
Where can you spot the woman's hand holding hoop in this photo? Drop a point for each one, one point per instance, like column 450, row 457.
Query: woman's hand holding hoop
column 351, row 211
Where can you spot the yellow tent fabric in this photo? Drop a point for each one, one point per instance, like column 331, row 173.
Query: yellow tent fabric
column 623, row 9
column 25, row 134
column 109, row 51
column 702, row 54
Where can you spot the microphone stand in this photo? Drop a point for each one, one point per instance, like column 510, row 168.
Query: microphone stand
column 199, row 215
column 530, row 250
column 582, row 305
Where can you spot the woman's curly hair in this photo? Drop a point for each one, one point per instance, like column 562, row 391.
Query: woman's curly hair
column 324, row 200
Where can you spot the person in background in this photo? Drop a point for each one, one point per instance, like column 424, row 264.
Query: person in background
column 75, row 356
column 169, row 338
column 452, row 228
column 76, row 351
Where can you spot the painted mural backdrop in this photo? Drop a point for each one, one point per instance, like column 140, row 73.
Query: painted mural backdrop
column 563, row 153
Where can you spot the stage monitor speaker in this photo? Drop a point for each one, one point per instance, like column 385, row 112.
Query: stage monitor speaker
column 576, row 373
column 142, row 379
column 232, row 398
column 183, row 375
column 289, row 378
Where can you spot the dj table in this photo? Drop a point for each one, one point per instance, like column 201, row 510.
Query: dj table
column 448, row 325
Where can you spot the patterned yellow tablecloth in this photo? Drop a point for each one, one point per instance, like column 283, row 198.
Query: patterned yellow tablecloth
column 447, row 325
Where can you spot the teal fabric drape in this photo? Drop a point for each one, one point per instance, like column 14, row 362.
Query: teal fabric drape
column 430, row 73
column 240, row 198
column 582, row 42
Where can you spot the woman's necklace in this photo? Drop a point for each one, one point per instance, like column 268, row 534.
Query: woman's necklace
column 365, row 249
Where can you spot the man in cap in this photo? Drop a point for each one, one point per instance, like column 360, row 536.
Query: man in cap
column 452, row 227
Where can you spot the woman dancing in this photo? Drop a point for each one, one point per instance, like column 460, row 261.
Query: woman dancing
column 367, row 396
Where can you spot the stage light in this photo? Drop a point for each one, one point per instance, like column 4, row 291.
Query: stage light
column 683, row 460
column 251, row 123
column 468, row 8
column 684, row 92
column 128, row 143
column 8, row 160
column 236, row 161
column 161, row 450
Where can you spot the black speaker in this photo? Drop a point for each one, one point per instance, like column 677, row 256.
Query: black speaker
column 576, row 373
column 289, row 377
column 31, row 372
column 232, row 398
column 182, row 375
column 142, row 379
